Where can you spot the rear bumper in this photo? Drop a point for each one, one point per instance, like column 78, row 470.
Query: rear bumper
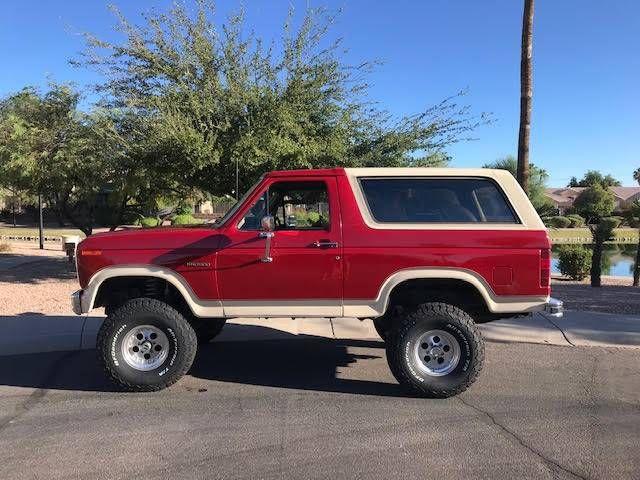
column 554, row 307
column 76, row 302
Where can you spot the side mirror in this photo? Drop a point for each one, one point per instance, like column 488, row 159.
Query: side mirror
column 267, row 224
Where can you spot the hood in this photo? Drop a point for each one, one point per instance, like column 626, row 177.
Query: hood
column 159, row 238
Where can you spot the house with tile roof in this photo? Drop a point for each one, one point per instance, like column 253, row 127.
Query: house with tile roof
column 564, row 197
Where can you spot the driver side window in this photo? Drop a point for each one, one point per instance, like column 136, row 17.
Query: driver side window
column 294, row 206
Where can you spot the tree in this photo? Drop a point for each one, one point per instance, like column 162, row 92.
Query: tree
column 526, row 94
column 537, row 181
column 593, row 177
column 213, row 99
column 633, row 216
column 596, row 204
column 49, row 148
column 37, row 133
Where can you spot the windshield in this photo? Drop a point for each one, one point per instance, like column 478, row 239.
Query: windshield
column 237, row 205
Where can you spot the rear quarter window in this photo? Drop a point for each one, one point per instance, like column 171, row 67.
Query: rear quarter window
column 436, row 200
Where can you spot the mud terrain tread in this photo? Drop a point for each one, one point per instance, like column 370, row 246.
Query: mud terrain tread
column 129, row 309
column 395, row 349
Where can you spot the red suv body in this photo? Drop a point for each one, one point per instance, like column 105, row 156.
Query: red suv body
column 338, row 243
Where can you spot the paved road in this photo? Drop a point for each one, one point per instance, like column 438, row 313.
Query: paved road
column 310, row 407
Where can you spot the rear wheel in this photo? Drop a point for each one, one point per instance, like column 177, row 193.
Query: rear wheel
column 435, row 350
column 382, row 325
column 146, row 345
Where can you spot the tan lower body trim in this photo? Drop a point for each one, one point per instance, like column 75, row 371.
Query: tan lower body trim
column 288, row 308
column 357, row 308
column 362, row 308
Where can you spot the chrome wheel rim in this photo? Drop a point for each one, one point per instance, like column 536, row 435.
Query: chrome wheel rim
column 145, row 347
column 436, row 353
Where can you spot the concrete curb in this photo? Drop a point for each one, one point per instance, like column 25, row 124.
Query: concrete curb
column 36, row 333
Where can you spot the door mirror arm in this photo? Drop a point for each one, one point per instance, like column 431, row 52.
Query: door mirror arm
column 267, row 224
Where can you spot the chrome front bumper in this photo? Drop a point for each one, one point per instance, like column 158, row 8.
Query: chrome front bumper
column 76, row 302
column 554, row 307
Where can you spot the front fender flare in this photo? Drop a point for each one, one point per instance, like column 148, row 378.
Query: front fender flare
column 200, row 308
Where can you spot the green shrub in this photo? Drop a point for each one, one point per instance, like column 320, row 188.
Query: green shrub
column 184, row 208
column 574, row 261
column 576, row 220
column 130, row 218
column 558, row 222
column 185, row 219
column 149, row 222
column 619, row 219
column 314, row 217
column 302, row 218
column 546, row 209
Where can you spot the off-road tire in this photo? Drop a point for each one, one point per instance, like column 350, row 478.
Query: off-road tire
column 406, row 331
column 146, row 311
column 207, row 328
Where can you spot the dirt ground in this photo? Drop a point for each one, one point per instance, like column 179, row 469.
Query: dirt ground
column 36, row 281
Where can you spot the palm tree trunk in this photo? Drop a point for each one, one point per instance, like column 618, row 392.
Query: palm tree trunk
column 636, row 268
column 526, row 94
column 596, row 263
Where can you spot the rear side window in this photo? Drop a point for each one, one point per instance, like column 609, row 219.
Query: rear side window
column 436, row 200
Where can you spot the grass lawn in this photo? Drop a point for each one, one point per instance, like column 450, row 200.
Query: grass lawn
column 558, row 235
column 22, row 232
column 582, row 235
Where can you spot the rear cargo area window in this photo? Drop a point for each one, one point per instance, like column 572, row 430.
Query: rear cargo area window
column 436, row 200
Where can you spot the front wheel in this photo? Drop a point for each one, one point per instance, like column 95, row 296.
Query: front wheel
column 146, row 345
column 435, row 350
column 208, row 328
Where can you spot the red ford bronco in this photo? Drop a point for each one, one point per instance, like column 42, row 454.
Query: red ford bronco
column 426, row 253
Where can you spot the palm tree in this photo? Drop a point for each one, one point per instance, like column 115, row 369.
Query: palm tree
column 526, row 93
column 635, row 213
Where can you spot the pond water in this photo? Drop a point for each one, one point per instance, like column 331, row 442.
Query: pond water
column 617, row 259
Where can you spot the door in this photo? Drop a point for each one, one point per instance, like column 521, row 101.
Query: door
column 301, row 274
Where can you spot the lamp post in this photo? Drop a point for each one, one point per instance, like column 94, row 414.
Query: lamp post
column 237, row 177
column 40, row 225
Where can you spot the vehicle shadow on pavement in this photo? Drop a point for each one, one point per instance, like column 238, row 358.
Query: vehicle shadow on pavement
column 288, row 361
column 307, row 363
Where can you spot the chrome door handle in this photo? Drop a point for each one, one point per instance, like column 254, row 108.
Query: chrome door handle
column 325, row 244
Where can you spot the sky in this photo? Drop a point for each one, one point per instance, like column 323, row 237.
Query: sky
column 586, row 60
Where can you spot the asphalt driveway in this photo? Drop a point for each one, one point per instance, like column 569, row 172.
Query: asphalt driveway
column 310, row 407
